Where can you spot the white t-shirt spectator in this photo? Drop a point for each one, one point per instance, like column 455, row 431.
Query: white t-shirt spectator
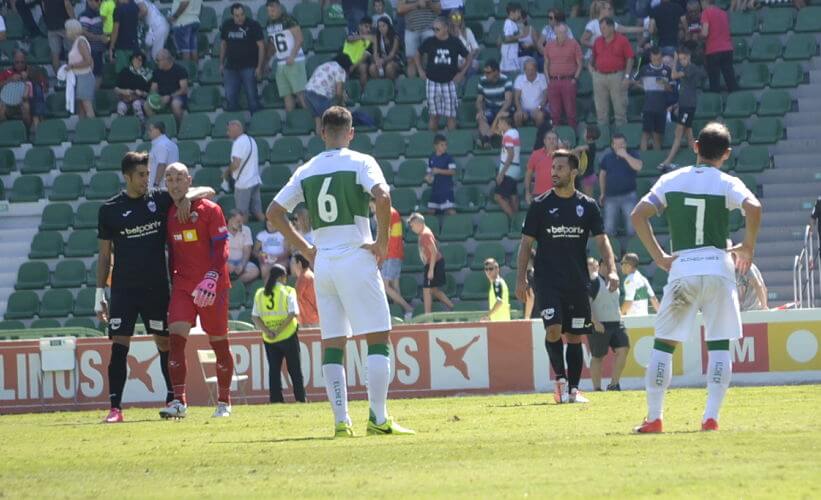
column 533, row 93
column 2, row 25
column 238, row 242
column 163, row 150
column 325, row 78
column 511, row 140
column 510, row 51
column 272, row 245
column 248, row 176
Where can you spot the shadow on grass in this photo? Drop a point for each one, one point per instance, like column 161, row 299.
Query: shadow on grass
column 281, row 440
column 100, row 422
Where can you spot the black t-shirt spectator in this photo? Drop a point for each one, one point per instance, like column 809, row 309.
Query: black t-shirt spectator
column 127, row 15
column 667, row 16
column 241, row 43
column 55, row 14
column 127, row 79
column 168, row 81
column 443, row 58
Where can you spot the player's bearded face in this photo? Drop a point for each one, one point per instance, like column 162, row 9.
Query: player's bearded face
column 562, row 173
column 137, row 181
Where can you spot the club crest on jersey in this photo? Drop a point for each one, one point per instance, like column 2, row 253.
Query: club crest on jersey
column 152, row 206
column 189, row 235
column 194, row 216
column 579, row 210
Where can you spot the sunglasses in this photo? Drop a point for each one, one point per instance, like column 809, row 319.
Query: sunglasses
column 551, row 18
column 456, row 16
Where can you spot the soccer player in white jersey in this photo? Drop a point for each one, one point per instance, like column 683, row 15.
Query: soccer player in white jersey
column 697, row 201
column 336, row 187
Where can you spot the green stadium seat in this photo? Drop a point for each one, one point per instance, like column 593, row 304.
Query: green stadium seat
column 227, row 203
column 774, row 103
column 103, row 185
column 485, row 251
column 740, row 105
column 408, row 286
column 22, row 305
column 46, row 245
column 208, row 177
column 800, row 48
column 49, row 133
column 170, row 126
column 412, row 262
column 44, row 323
column 79, row 323
column 263, row 150
column 67, row 187
column 298, row 122
column 566, row 134
column 492, row 39
column 191, row 67
column 32, row 276
column 766, row 131
column 57, row 217
column 56, row 105
column 516, row 224
column 287, row 150
column 466, row 115
column 411, row 173
column 194, row 126
column 743, row 23
column 204, row 99
column 457, row 227
column 479, row 10
column 404, row 200
column 527, row 137
column 471, row 88
column 493, row 226
column 389, row 145
column 399, row 119
column 455, row 256
column 410, row 91
column 86, row 216
column 208, row 19
column 236, row 297
column 26, row 188
column 315, row 146
column 362, row 144
column 270, row 97
column 265, row 122
column 378, row 92
column 12, row 324
column 78, row 159
column 38, row 160
column 190, row 153
column 809, row 20
column 753, row 159
column 15, row 29
column 124, row 129
column 273, row 177
column 468, row 199
column 308, row 14
column 650, row 160
column 765, row 48
column 220, row 128
column 217, row 153
column 777, row 21
column 330, row 40
column 387, row 171
column 7, row 161
column 460, row 143
column 741, row 49
column 210, row 72
column 111, row 157
column 89, row 131
column 81, row 243
column 753, row 76
column 479, row 171
column 69, row 274
column 786, row 75
column 91, row 275
column 475, row 287
column 56, row 304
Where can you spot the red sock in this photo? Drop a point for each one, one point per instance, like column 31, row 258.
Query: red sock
column 177, row 366
column 225, row 370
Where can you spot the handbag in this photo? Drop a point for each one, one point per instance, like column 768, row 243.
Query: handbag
column 230, row 182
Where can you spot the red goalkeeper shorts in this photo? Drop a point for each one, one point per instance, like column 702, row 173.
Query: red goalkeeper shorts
column 213, row 319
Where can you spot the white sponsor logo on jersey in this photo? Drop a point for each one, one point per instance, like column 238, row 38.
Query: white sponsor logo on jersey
column 566, row 231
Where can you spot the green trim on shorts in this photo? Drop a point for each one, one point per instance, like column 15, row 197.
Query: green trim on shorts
column 379, row 349
column 718, row 345
column 333, row 356
column 663, row 347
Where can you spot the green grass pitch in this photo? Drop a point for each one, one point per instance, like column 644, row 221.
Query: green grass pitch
column 477, row 447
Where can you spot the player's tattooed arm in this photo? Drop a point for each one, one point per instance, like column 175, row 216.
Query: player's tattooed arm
column 641, row 223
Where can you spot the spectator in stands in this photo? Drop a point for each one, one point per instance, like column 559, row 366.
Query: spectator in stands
column 388, row 56
column 240, row 246
column 326, row 87
column 185, row 24
column 32, row 107
column 419, row 18
column 163, row 152
column 752, row 292
column 586, row 181
column 527, row 44
column 609, row 332
column 530, row 95
column 718, row 53
column 124, row 41
column 637, row 289
column 305, row 291
column 540, row 167
column 133, row 86
column 358, row 46
column 451, row 6
column 511, row 35
column 158, row 28
column 654, row 78
column 92, row 23
column 815, row 215
column 599, row 10
column 612, row 64
column 354, row 11
column 617, row 183
column 242, row 56
column 434, row 263
column 82, row 65
column 55, row 15
column 270, row 249
column 510, row 170
column 244, row 170
column 666, row 20
column 379, row 13
column 460, row 30
column 441, row 53
column 494, row 98
column 555, row 18
column 170, row 83
column 498, row 295
column 302, row 223
column 24, row 8
column 441, row 169
column 689, row 77
column 562, row 65
column 285, row 42
column 107, row 13
column 391, row 269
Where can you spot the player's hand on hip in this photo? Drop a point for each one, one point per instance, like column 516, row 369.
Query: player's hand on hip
column 206, row 292
column 665, row 261
column 598, row 327
column 744, row 257
column 310, row 254
column 613, row 281
column 184, row 210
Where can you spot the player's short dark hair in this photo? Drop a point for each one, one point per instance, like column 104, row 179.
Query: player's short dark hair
column 713, row 141
column 277, row 272
column 572, row 159
column 617, row 135
column 513, row 7
column 608, row 21
column 655, row 49
column 365, row 20
column 337, row 119
column 439, row 138
column 159, row 125
column 235, row 6
column 343, row 60
column 303, row 261
column 630, row 258
column 132, row 160
column 492, row 64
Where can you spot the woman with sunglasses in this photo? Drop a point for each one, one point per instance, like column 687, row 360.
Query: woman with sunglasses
column 460, row 30
column 555, row 17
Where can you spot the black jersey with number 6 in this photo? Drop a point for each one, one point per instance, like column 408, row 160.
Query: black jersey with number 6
column 561, row 227
column 136, row 228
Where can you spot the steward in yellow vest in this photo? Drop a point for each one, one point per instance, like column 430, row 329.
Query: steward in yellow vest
column 498, row 296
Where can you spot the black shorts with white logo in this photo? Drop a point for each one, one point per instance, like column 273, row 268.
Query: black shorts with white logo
column 613, row 337
column 151, row 304
column 684, row 117
column 571, row 309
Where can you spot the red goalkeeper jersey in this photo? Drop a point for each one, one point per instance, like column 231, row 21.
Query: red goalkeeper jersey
column 191, row 246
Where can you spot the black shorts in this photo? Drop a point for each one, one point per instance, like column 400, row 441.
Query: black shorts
column 614, row 336
column 151, row 304
column 566, row 308
column 438, row 280
column 507, row 189
column 654, row 121
column 684, row 116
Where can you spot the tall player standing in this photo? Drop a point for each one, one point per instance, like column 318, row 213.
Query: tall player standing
column 198, row 259
column 131, row 226
column 697, row 201
column 337, row 186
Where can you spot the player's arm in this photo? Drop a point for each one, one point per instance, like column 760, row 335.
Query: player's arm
column 522, row 260
column 641, row 223
column 606, row 252
column 655, row 302
column 625, row 307
column 206, row 292
column 382, row 200
column 277, row 215
column 746, row 250
column 103, row 269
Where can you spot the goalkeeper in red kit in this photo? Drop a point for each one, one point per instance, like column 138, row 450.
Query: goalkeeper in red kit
column 197, row 257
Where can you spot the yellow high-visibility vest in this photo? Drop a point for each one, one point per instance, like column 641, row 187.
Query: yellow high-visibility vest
column 273, row 311
column 503, row 314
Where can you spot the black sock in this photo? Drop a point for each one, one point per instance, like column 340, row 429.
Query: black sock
column 575, row 359
column 169, row 389
column 117, row 372
column 555, row 351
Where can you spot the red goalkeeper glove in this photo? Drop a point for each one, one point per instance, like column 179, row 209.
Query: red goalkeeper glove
column 206, row 292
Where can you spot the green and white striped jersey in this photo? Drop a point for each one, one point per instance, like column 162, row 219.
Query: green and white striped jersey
column 638, row 291
column 697, row 201
column 336, row 188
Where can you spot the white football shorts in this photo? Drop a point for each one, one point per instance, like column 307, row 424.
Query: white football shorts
column 714, row 296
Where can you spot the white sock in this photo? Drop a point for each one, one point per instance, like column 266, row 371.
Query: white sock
column 379, row 376
column 337, row 390
column 719, row 372
column 656, row 381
